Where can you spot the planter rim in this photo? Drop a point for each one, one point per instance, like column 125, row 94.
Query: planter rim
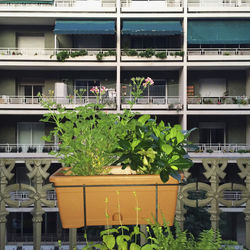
column 108, row 180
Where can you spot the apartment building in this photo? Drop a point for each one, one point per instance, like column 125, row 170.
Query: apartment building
column 196, row 51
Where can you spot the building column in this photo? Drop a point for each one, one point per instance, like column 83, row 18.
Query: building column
column 248, row 82
column 6, row 168
column 72, row 238
column 248, row 130
column 118, row 55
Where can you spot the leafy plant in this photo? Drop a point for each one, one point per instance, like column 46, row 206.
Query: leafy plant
column 131, row 52
column 147, row 53
column 62, row 56
column 79, row 53
column 99, row 56
column 91, row 139
column 152, row 148
column 161, row 55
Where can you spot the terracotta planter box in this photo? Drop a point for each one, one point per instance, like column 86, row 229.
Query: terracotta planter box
column 152, row 196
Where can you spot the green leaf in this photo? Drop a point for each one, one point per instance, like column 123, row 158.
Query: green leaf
column 180, row 137
column 108, row 231
column 134, row 246
column 109, row 240
column 164, row 174
column 134, row 143
column 143, row 119
column 182, row 163
column 150, row 247
column 136, row 230
column 166, row 148
column 157, row 132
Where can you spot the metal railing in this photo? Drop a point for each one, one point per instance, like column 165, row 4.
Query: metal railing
column 219, row 51
column 21, row 195
column 243, row 100
column 155, row 100
column 156, row 3
column 220, row 148
column 27, row 148
column 64, row 3
column 70, row 100
column 205, row 4
column 51, row 52
column 169, row 52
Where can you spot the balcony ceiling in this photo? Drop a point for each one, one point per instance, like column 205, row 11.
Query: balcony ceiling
column 26, row 21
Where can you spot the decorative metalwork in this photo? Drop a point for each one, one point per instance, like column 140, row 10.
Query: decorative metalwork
column 216, row 192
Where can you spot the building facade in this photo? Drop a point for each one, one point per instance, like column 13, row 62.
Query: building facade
column 196, row 51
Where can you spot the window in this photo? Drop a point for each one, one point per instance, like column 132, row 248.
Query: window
column 29, row 136
column 212, row 133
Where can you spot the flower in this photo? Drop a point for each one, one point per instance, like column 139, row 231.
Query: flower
column 94, row 90
column 103, row 90
column 148, row 81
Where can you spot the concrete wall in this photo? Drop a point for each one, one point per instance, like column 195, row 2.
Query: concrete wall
column 236, row 80
column 7, row 86
column 65, row 41
column 8, row 35
column 235, row 128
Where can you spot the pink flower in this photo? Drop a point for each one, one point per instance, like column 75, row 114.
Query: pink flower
column 103, row 90
column 149, row 81
column 145, row 84
column 94, row 90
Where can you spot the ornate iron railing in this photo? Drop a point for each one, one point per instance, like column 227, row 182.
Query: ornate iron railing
column 38, row 196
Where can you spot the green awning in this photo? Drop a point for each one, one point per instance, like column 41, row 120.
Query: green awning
column 85, row 27
column 26, row 1
column 219, row 32
column 151, row 28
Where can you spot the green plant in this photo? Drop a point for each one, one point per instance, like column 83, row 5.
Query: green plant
column 209, row 151
column 90, row 139
column 99, row 56
column 62, row 56
column 131, row 52
column 161, row 55
column 79, row 53
column 147, row 53
column 179, row 53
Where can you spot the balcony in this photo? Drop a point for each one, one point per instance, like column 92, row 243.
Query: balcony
column 137, row 55
column 27, row 148
column 224, row 5
column 151, row 6
column 57, row 5
column 225, row 102
column 61, row 55
column 71, row 101
column 234, row 149
column 219, row 54
column 153, row 102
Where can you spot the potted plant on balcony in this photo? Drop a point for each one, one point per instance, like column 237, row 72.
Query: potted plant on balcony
column 92, row 140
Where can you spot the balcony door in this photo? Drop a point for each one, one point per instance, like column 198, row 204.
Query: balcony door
column 29, row 135
column 212, row 133
column 30, row 91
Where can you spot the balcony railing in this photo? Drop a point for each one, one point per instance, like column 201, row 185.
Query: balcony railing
column 62, row 3
column 161, row 4
column 69, row 100
column 152, row 54
column 226, row 53
column 27, row 148
column 20, row 195
column 50, row 53
column 218, row 4
column 241, row 100
column 220, row 148
column 154, row 100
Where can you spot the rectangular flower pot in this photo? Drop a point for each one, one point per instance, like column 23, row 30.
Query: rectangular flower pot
column 87, row 200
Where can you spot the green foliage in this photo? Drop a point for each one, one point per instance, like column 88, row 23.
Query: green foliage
column 91, row 139
column 87, row 137
column 159, row 238
column 147, row 53
column 179, row 53
column 99, row 56
column 82, row 52
column 161, row 55
column 62, row 56
column 131, row 52
column 151, row 148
